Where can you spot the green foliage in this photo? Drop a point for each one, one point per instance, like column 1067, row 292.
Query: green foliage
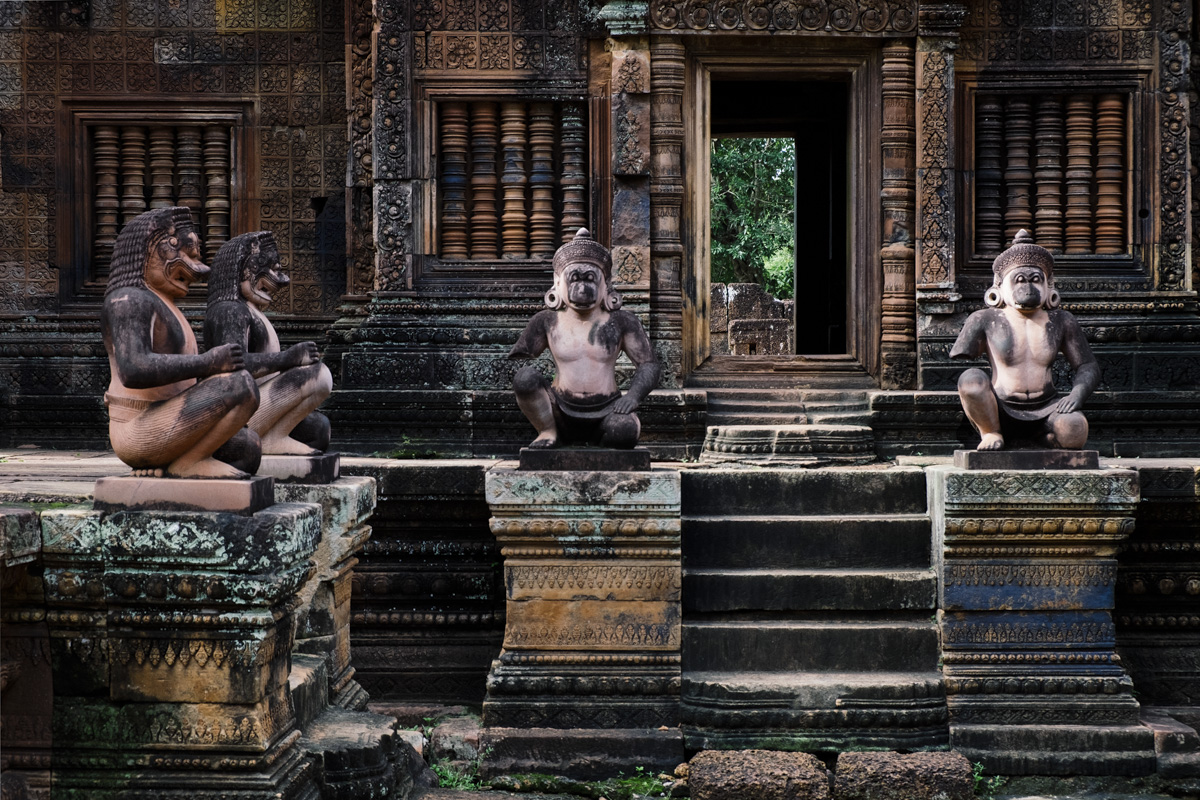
column 752, row 212
column 450, row 777
column 984, row 786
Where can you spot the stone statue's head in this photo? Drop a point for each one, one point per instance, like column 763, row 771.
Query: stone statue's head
column 157, row 249
column 247, row 268
column 1024, row 276
column 583, row 275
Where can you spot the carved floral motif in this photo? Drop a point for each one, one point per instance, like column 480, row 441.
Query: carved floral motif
column 836, row 16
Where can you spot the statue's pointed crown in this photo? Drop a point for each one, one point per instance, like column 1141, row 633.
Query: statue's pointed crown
column 584, row 249
column 1023, row 253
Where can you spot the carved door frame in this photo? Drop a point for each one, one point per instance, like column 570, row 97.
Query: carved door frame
column 857, row 61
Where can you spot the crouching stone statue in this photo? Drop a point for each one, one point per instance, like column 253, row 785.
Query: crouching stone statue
column 246, row 274
column 586, row 331
column 169, row 407
column 1022, row 332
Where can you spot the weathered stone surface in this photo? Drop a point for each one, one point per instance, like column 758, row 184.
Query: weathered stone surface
column 912, row 776
column 1026, row 569
column 591, row 642
column 325, row 468
column 183, row 494
column 583, row 459
column 590, row 754
column 456, row 740
column 757, row 775
column 1027, row 459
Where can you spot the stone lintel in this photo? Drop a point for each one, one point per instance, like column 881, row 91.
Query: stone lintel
column 325, row 468
column 585, row 459
column 1027, row 459
column 132, row 493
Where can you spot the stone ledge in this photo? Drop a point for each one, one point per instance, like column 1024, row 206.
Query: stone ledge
column 243, row 497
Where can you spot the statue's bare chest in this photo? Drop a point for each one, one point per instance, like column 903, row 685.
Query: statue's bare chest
column 584, row 341
column 262, row 333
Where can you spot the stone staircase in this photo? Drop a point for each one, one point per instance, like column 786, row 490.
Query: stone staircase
column 799, row 427
column 809, row 606
column 358, row 754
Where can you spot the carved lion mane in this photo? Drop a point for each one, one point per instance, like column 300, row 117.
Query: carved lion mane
column 128, row 266
column 229, row 265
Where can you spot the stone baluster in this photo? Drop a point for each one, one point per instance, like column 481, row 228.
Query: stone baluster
column 898, row 146
column 1048, row 173
column 574, row 175
column 989, row 198
column 162, row 162
column 513, row 179
column 485, row 239
column 1110, row 184
column 455, row 141
column 188, row 163
column 133, row 172
column 1018, row 175
column 542, row 228
column 216, row 196
column 1079, row 174
column 106, row 160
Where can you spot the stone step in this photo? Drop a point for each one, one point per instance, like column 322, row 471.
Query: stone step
column 778, row 645
column 895, row 541
column 808, row 590
column 780, row 418
column 814, row 711
column 777, row 491
column 308, row 683
column 824, row 444
column 360, row 754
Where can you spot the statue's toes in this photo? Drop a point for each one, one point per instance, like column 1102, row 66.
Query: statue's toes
column 991, row 441
column 544, row 444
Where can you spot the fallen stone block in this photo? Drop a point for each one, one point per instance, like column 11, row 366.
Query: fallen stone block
column 893, row 776
column 757, row 775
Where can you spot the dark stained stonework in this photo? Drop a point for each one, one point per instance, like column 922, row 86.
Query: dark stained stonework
column 1027, row 459
column 585, row 459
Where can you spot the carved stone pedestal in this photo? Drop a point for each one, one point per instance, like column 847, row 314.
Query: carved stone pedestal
column 323, row 614
column 170, row 635
column 25, row 684
column 1027, row 571
column 592, row 636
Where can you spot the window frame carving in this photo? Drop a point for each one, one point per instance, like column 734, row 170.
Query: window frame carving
column 1133, row 270
column 430, row 271
column 76, row 185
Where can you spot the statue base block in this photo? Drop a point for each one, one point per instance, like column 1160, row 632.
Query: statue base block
column 325, row 468
column 244, row 497
column 1026, row 459
column 585, row 459
column 590, row 667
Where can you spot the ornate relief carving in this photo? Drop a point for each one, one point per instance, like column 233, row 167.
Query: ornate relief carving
column 935, row 191
column 1052, row 487
column 829, row 16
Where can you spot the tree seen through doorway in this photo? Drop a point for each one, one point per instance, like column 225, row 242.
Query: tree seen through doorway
column 752, row 212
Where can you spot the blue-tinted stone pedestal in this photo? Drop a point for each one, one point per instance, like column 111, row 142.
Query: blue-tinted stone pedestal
column 1027, row 570
column 589, row 672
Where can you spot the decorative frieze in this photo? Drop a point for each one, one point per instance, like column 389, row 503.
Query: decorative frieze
column 825, row 16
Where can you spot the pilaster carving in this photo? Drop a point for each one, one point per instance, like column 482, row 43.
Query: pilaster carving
column 936, row 42
column 666, row 201
column 897, row 142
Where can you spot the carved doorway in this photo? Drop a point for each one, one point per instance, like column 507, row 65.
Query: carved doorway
column 825, row 102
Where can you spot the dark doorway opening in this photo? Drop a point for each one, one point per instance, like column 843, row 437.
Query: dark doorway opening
column 814, row 115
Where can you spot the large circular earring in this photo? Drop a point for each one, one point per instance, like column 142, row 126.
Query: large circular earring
column 612, row 301
column 992, row 297
column 1054, row 299
column 552, row 300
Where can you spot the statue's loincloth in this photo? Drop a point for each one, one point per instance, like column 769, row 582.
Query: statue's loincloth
column 1028, row 410
column 125, row 409
column 595, row 407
